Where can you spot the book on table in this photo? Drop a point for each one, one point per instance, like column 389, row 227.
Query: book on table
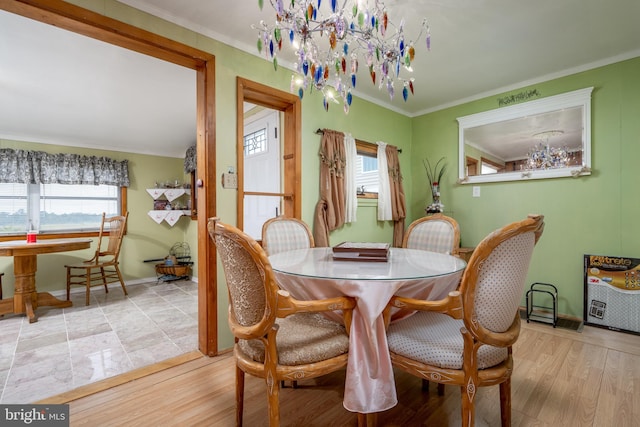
column 361, row 251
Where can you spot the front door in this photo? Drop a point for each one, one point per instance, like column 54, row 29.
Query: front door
column 262, row 170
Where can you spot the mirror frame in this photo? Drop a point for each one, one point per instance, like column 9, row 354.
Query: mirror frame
column 577, row 98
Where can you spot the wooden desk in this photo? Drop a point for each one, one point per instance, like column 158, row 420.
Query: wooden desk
column 25, row 263
column 313, row 274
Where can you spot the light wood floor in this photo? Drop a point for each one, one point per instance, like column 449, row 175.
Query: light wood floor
column 561, row 378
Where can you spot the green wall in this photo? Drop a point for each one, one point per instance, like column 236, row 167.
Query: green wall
column 145, row 239
column 366, row 121
column 594, row 214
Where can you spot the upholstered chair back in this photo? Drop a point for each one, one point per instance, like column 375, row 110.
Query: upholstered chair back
column 278, row 338
column 282, row 234
column 501, row 282
column 466, row 338
column 436, row 233
column 249, row 279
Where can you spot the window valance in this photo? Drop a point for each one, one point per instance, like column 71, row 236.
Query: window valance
column 38, row 167
column 190, row 160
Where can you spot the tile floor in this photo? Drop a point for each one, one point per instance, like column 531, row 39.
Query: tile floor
column 71, row 347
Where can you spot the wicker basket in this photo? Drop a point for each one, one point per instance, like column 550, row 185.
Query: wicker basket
column 176, row 265
column 174, row 270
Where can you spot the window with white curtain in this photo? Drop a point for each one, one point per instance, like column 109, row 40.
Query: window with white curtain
column 367, row 173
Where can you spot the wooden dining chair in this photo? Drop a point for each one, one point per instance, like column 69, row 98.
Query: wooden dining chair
column 277, row 337
column 104, row 267
column 281, row 234
column 436, row 233
column 466, row 339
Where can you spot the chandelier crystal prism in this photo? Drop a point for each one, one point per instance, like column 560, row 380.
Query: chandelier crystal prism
column 543, row 156
column 331, row 46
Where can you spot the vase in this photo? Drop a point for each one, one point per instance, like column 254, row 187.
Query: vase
column 436, row 206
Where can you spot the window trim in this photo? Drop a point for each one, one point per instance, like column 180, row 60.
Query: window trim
column 68, row 235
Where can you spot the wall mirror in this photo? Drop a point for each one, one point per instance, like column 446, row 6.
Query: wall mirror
column 545, row 138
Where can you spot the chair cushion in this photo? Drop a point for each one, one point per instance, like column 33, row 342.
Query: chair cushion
column 302, row 338
column 435, row 339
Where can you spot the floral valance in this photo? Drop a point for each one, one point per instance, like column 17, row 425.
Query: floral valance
column 190, row 160
column 38, row 167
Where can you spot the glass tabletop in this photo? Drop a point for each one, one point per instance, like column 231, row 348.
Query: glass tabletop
column 402, row 264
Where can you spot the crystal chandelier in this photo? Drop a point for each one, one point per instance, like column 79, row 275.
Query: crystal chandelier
column 330, row 47
column 543, row 156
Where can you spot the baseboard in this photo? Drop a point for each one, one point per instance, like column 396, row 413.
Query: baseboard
column 564, row 321
column 62, row 293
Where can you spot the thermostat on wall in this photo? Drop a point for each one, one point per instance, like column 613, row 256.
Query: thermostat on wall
column 229, row 180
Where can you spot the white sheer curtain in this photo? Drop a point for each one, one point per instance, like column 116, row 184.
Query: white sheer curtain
column 350, row 192
column 384, row 191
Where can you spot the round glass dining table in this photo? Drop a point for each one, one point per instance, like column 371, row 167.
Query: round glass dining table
column 313, row 273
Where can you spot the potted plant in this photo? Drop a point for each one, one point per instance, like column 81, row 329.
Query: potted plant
column 434, row 175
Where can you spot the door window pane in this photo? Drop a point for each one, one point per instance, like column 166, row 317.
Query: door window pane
column 255, row 142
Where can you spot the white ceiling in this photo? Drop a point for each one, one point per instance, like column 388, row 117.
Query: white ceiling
column 478, row 48
column 57, row 87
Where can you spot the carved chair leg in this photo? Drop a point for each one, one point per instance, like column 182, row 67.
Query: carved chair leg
column 505, row 403
column 468, row 406
column 425, row 387
column 273, row 402
column 239, row 396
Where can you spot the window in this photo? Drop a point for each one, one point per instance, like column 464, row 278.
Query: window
column 367, row 173
column 369, row 164
column 488, row 167
column 14, row 201
column 255, row 142
column 57, row 208
column 367, row 179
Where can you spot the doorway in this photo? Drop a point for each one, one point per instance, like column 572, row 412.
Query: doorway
column 269, row 165
column 262, row 168
column 83, row 21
